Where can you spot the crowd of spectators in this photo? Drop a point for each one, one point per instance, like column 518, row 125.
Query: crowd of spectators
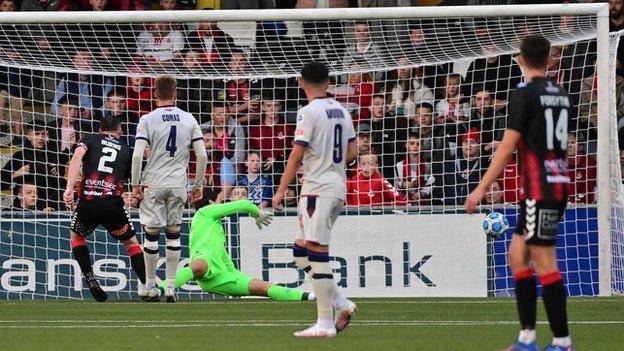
column 425, row 133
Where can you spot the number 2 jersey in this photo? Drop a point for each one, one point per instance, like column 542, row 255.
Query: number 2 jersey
column 170, row 133
column 325, row 128
column 105, row 167
column 539, row 110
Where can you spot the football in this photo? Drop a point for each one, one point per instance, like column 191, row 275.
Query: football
column 495, row 224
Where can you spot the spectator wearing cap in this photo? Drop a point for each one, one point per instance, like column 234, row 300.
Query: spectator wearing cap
column 462, row 175
column 582, row 172
column 229, row 136
column 37, row 161
column 90, row 89
column 364, row 146
column 369, row 188
column 27, row 198
column 388, row 132
column 435, row 146
column 486, row 119
column 273, row 138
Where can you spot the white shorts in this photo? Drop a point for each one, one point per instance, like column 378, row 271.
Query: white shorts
column 162, row 207
column 317, row 216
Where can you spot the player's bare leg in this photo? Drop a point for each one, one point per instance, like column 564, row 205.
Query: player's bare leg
column 137, row 262
column 344, row 308
column 81, row 255
column 554, row 295
column 526, row 294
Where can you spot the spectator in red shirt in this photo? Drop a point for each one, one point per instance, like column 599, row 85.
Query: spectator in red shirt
column 139, row 92
column 582, row 172
column 273, row 138
column 369, row 188
column 209, row 45
column 495, row 194
column 510, row 182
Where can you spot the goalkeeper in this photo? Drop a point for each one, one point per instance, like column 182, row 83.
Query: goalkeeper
column 211, row 266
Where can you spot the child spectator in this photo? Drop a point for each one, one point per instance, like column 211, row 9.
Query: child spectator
column 259, row 187
column 494, row 194
column 160, row 43
column 139, row 92
column 27, row 199
column 582, row 172
column 239, row 193
column 369, row 188
column 290, row 197
column 273, row 138
column 452, row 111
column 35, row 160
column 413, row 176
column 510, row 182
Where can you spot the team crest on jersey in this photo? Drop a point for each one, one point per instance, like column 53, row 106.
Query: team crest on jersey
column 299, row 117
column 299, row 132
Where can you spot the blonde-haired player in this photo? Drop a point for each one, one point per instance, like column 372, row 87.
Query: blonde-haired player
column 170, row 132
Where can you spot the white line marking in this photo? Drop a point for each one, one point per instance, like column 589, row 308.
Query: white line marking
column 268, row 323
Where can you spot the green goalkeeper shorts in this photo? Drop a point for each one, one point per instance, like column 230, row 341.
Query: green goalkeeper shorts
column 222, row 276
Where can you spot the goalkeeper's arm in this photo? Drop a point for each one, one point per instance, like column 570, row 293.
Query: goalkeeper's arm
column 221, row 210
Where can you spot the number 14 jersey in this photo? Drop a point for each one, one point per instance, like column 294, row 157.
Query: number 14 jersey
column 540, row 110
column 325, row 128
column 105, row 166
column 170, row 133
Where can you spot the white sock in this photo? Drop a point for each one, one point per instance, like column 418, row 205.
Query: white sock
column 323, row 285
column 527, row 336
column 150, row 256
column 172, row 259
column 339, row 298
column 325, row 323
column 563, row 342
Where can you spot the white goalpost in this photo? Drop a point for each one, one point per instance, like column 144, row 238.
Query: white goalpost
column 427, row 88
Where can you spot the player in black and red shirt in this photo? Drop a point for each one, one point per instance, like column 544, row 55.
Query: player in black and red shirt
column 105, row 165
column 538, row 126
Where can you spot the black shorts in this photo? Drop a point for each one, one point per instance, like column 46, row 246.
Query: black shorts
column 538, row 221
column 110, row 213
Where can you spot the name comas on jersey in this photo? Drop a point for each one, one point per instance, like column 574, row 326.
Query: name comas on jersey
column 170, row 117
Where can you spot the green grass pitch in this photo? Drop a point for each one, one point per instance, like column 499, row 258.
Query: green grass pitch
column 235, row 324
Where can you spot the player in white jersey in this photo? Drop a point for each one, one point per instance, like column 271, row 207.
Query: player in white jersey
column 325, row 142
column 170, row 132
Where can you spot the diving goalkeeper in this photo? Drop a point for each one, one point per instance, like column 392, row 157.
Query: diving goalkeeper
column 211, row 266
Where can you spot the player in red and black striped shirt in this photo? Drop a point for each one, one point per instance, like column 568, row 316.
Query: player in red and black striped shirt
column 538, row 127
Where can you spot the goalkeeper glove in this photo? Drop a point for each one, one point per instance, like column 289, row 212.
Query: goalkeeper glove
column 264, row 219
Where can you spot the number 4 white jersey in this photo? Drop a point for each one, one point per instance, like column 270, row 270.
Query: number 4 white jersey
column 170, row 133
column 325, row 127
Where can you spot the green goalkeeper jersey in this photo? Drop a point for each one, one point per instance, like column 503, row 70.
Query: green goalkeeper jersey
column 206, row 227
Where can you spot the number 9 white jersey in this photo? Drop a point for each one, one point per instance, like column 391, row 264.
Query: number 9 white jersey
column 325, row 127
column 170, row 132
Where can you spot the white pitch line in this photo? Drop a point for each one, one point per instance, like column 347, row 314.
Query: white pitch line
column 268, row 323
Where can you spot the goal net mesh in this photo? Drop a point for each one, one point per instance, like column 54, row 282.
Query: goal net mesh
column 429, row 101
